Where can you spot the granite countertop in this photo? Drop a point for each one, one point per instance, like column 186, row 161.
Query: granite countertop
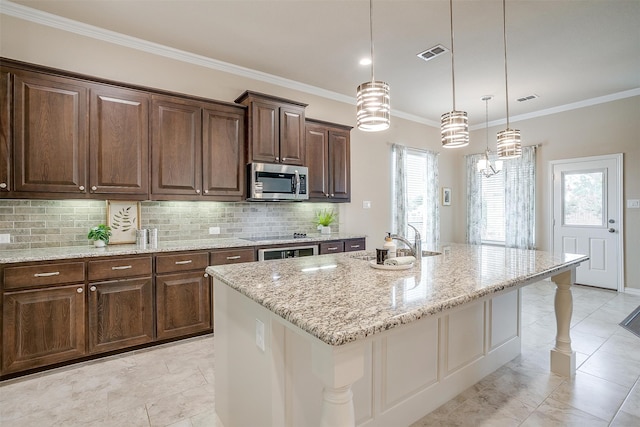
column 339, row 298
column 50, row 254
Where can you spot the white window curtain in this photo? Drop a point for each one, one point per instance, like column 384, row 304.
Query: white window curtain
column 520, row 200
column 519, row 177
column 415, row 194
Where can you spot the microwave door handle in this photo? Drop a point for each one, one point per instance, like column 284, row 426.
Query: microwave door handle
column 297, row 184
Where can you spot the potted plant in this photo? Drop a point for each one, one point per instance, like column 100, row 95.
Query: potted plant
column 100, row 235
column 324, row 219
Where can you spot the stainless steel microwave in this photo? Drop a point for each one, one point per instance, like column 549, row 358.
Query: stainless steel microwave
column 272, row 182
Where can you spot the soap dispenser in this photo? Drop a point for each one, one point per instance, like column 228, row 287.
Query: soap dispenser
column 389, row 246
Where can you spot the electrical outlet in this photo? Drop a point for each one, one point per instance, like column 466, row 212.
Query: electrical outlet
column 260, row 334
column 214, row 230
column 633, row 204
column 5, row 238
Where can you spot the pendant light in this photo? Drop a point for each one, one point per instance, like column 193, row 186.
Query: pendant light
column 509, row 144
column 454, row 126
column 485, row 166
column 373, row 108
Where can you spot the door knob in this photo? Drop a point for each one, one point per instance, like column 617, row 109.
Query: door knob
column 612, row 230
column 612, row 221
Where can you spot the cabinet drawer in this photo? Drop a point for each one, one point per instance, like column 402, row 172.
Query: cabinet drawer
column 119, row 267
column 43, row 274
column 331, row 247
column 232, row 256
column 354, row 245
column 182, row 262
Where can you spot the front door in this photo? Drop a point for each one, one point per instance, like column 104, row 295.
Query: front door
column 587, row 217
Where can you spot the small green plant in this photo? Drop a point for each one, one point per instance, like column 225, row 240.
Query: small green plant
column 325, row 217
column 100, row 232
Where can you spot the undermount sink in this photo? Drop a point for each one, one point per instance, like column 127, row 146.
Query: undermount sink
column 430, row 253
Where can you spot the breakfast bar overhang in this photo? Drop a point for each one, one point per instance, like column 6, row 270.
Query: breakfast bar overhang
column 329, row 341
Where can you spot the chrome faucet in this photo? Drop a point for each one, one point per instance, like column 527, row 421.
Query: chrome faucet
column 416, row 247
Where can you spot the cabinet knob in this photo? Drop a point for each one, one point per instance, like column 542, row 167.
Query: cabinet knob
column 3, row 185
column 79, row 290
column 277, row 159
column 206, row 275
column 333, row 195
column 197, row 191
column 206, row 191
column 284, row 159
column 92, row 289
column 94, row 188
column 81, row 188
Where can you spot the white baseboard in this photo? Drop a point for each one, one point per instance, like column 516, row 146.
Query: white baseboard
column 632, row 291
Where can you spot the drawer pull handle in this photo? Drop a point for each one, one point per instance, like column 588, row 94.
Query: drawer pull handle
column 121, row 267
column 333, row 248
column 184, row 262
column 234, row 257
column 53, row 273
column 355, row 246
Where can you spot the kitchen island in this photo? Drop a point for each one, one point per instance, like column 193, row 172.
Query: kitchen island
column 330, row 341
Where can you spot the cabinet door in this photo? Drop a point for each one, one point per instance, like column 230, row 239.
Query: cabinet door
column 119, row 151
column 120, row 314
column 264, row 132
column 42, row 327
column 223, row 153
column 50, row 129
column 183, row 303
column 292, row 146
column 318, row 162
column 339, row 165
column 176, row 147
column 5, row 131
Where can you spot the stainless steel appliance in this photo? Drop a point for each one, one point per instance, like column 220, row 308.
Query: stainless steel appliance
column 272, row 182
column 287, row 252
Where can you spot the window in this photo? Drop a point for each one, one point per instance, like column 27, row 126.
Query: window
column 501, row 209
column 492, row 231
column 415, row 194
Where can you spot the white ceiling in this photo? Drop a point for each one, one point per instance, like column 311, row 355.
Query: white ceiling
column 565, row 51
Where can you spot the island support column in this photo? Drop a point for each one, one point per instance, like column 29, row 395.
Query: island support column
column 338, row 367
column 563, row 358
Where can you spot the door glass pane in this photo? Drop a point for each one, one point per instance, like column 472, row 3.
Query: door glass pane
column 583, row 198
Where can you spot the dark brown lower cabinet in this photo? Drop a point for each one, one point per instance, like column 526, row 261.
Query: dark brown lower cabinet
column 183, row 304
column 120, row 314
column 183, row 294
column 42, row 327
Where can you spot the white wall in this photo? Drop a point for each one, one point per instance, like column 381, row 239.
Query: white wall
column 601, row 129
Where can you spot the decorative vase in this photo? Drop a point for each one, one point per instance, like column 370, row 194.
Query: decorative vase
column 325, row 229
column 99, row 243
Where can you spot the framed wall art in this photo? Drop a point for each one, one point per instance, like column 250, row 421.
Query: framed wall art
column 446, row 196
column 124, row 219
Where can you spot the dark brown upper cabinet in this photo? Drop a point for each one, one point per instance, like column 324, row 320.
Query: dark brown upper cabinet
column 119, row 141
column 328, row 160
column 5, row 132
column 50, row 124
column 197, row 150
column 275, row 129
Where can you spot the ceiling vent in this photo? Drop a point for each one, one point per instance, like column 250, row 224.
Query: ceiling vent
column 528, row 98
column 432, row 52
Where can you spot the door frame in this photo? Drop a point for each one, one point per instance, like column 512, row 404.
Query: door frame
column 620, row 185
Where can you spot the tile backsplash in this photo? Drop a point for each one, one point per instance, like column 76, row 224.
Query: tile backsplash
column 57, row 223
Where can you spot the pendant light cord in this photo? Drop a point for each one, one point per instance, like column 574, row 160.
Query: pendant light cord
column 504, row 37
column 486, row 108
column 453, row 76
column 371, row 36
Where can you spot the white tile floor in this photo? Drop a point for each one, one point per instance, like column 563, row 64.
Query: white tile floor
column 172, row 385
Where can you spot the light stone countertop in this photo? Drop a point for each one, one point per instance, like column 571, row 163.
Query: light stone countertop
column 340, row 298
column 50, row 254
